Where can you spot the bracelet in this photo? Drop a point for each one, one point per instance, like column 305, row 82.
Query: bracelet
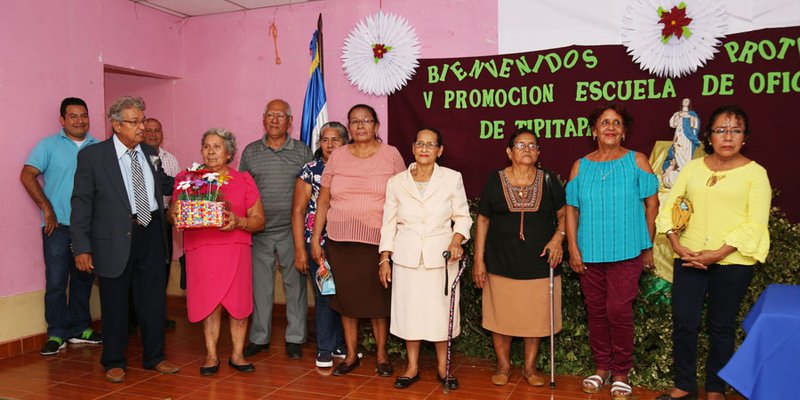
column 671, row 231
column 562, row 232
column 383, row 261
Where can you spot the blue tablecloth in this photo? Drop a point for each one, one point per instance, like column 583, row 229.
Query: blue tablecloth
column 766, row 366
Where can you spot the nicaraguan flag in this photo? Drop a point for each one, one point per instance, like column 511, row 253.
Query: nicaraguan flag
column 315, row 107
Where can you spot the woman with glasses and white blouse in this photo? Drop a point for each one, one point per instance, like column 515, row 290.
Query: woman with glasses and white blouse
column 425, row 213
column 726, row 235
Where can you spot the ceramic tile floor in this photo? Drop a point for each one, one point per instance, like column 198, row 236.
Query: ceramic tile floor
column 76, row 373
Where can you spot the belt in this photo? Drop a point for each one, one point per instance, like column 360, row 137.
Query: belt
column 152, row 217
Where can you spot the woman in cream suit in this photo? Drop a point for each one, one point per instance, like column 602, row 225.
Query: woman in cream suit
column 425, row 213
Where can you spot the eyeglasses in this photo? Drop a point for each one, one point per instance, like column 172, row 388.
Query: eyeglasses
column 733, row 131
column 615, row 122
column 133, row 124
column 279, row 115
column 530, row 146
column 365, row 121
column 427, row 145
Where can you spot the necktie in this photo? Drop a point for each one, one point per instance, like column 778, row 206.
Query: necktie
column 139, row 190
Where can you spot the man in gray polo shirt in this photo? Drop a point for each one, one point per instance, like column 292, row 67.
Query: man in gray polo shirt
column 274, row 162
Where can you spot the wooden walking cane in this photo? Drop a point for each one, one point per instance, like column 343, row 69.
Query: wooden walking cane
column 461, row 267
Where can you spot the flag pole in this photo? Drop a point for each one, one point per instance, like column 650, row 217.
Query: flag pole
column 319, row 46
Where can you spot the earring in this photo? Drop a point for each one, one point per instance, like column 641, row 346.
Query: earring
column 623, row 138
column 594, row 137
column 743, row 143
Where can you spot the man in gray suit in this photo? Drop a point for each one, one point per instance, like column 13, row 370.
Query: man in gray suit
column 117, row 230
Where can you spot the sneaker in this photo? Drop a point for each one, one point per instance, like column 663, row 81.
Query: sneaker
column 53, row 346
column 88, row 336
column 252, row 349
column 293, row 350
column 324, row 360
column 339, row 353
column 342, row 353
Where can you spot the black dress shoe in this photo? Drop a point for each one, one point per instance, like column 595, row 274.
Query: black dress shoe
column 293, row 350
column 403, row 382
column 243, row 367
column 343, row 368
column 252, row 349
column 452, row 381
column 206, row 371
column 384, row 370
column 687, row 396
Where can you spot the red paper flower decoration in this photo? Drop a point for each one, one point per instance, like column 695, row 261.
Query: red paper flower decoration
column 675, row 22
column 378, row 51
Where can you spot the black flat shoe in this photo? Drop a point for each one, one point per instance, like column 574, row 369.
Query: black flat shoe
column 687, row 396
column 242, row 368
column 403, row 382
column 252, row 349
column 452, row 381
column 206, row 371
column 384, row 370
column 343, row 368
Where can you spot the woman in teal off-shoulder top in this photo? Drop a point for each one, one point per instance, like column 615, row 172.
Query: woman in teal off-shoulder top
column 611, row 210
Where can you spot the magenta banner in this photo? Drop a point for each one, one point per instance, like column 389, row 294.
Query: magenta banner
column 477, row 101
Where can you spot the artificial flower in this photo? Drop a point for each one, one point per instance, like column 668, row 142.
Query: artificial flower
column 201, row 184
column 675, row 22
column 211, row 176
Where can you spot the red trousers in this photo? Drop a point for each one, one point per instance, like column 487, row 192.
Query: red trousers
column 609, row 290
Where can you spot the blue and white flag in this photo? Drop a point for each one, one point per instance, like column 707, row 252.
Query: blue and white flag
column 315, row 107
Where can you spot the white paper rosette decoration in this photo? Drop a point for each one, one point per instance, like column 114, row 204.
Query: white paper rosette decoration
column 673, row 38
column 380, row 54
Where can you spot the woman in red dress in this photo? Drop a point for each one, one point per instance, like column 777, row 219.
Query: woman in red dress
column 219, row 264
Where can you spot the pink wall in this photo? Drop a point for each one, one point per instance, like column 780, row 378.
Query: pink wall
column 225, row 72
column 48, row 52
column 230, row 61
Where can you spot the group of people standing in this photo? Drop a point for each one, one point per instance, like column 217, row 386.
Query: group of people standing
column 381, row 228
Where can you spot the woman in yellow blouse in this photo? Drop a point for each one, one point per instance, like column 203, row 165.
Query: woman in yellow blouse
column 726, row 235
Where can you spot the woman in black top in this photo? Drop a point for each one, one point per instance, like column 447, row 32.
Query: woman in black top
column 518, row 236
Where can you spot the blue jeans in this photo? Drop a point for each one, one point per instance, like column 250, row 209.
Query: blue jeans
column 721, row 289
column 65, row 319
column 329, row 324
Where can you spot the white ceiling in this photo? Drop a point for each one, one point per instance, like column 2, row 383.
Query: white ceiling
column 193, row 8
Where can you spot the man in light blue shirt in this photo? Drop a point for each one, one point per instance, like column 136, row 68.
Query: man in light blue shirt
column 55, row 158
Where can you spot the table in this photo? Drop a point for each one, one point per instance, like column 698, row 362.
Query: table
column 766, row 365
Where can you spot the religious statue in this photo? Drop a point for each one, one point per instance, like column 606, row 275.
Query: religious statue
column 684, row 143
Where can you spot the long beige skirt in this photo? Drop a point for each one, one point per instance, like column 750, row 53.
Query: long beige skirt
column 420, row 310
column 520, row 307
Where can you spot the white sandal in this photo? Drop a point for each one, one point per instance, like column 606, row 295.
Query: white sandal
column 621, row 390
column 593, row 383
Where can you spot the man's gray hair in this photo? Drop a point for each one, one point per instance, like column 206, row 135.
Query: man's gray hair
column 124, row 103
column 227, row 136
column 288, row 107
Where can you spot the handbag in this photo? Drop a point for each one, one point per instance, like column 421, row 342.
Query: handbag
column 681, row 213
column 548, row 180
column 324, row 279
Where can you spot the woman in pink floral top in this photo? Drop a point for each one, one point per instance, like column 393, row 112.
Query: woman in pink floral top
column 330, row 340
